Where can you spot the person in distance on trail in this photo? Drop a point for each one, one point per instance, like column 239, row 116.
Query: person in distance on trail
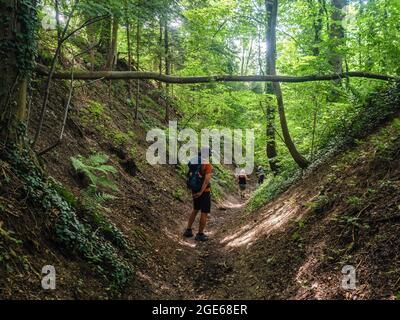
column 242, row 180
column 261, row 175
column 198, row 181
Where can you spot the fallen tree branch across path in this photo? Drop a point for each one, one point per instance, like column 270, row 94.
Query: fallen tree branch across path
column 126, row 75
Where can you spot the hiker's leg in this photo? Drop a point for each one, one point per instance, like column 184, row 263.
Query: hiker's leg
column 203, row 222
column 192, row 217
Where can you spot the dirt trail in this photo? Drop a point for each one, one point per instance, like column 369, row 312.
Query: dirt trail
column 209, row 266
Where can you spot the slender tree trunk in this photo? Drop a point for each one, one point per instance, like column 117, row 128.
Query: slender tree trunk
column 336, row 36
column 91, row 32
column 166, row 49
column 167, row 65
column 160, row 51
column 242, row 57
column 297, row 157
column 57, row 9
column 359, row 36
column 112, row 51
column 51, row 73
column 271, row 147
column 249, row 55
column 317, row 25
column 314, row 129
column 137, row 66
column 260, row 61
column 317, row 16
column 129, row 45
column 105, row 38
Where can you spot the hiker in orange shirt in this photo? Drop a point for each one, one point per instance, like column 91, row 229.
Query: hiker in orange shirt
column 198, row 181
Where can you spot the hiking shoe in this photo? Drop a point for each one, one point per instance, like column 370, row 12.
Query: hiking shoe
column 188, row 233
column 201, row 237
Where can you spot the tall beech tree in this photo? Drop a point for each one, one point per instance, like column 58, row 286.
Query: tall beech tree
column 336, row 35
column 270, row 61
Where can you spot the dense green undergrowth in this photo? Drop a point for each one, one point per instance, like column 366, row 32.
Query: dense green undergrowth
column 107, row 251
column 379, row 107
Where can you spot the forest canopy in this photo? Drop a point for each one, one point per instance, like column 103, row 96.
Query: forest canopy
column 178, row 42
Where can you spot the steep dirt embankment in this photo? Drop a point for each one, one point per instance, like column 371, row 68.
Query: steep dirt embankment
column 150, row 201
column 345, row 212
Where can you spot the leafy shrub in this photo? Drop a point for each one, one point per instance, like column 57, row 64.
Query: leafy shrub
column 96, row 109
column 64, row 193
column 354, row 201
column 94, row 115
column 350, row 221
column 120, row 138
column 178, row 194
column 271, row 188
column 224, row 178
column 366, row 115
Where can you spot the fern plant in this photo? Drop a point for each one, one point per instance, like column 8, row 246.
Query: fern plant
column 96, row 169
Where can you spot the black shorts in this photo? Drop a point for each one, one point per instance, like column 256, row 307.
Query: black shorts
column 203, row 203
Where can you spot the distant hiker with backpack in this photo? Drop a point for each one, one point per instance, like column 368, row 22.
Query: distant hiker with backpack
column 242, row 180
column 198, row 181
column 261, row 175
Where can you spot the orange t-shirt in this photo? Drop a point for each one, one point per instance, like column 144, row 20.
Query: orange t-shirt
column 206, row 168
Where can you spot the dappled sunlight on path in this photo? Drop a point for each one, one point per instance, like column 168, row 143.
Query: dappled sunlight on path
column 272, row 217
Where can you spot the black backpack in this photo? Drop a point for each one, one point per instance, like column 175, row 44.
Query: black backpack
column 194, row 179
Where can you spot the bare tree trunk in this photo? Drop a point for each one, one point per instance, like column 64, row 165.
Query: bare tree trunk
column 63, row 38
column 57, row 9
column 105, row 39
column 112, row 52
column 167, row 65
column 242, row 56
column 260, row 64
column 144, row 75
column 359, row 37
column 270, row 68
column 137, row 66
column 160, row 46
column 129, row 45
column 314, row 129
column 249, row 55
column 336, row 36
column 297, row 157
column 160, row 51
column 91, row 33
